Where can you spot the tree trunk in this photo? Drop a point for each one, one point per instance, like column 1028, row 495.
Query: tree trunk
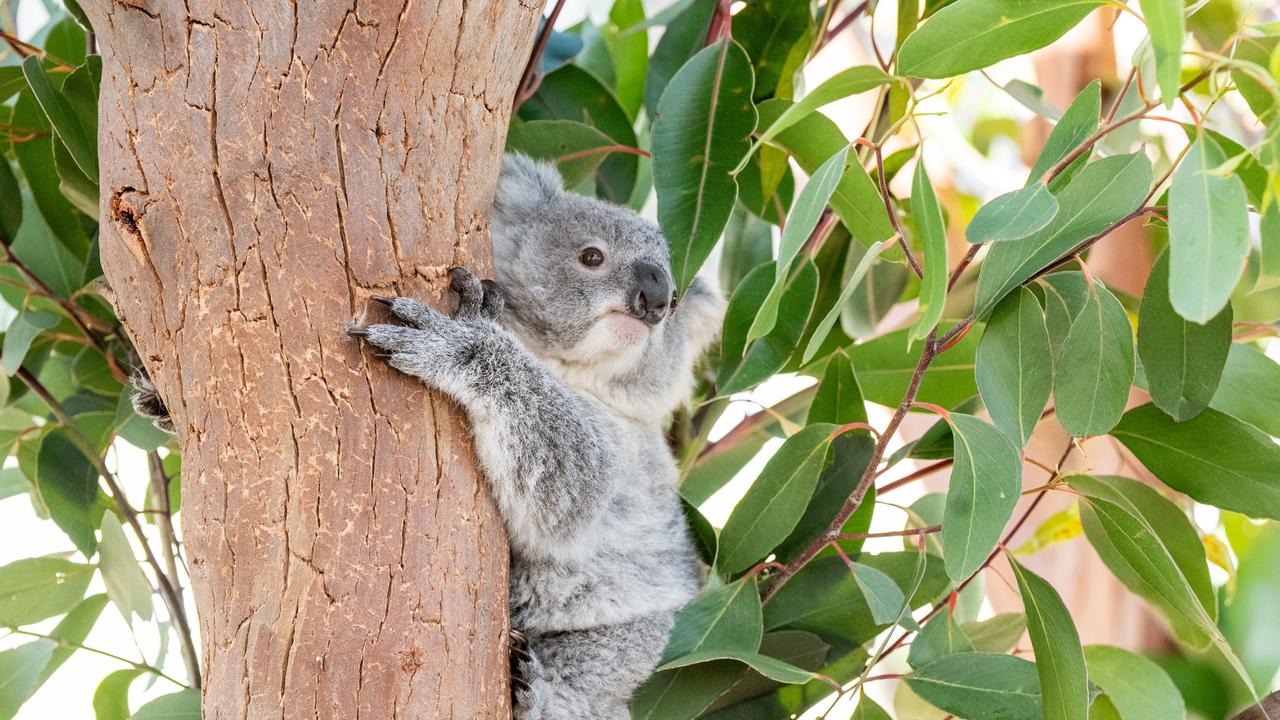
column 267, row 165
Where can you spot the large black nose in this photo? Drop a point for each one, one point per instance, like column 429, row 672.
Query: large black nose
column 651, row 297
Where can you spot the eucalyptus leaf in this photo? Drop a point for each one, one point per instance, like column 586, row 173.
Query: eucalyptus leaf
column 182, row 705
column 1092, row 379
column 111, row 699
column 985, row 485
column 1136, row 686
column 1013, row 215
column 1059, row 658
column 68, row 485
column 576, row 149
column 37, row 588
column 1250, row 388
column 1165, row 22
column 1076, row 125
column 20, row 669
column 78, row 139
column 931, row 229
column 726, row 618
column 1015, row 366
column 983, row 686
column 126, row 584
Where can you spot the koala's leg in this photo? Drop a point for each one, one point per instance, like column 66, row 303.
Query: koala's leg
column 591, row 673
column 546, row 452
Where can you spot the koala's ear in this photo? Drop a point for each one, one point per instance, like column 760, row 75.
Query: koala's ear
column 524, row 186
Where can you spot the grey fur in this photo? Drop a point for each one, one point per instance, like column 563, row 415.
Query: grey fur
column 567, row 396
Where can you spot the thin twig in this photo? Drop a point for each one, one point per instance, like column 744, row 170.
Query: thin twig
column 960, row 267
column 531, row 78
column 172, row 600
column 97, row 651
column 893, row 215
column 891, row 533
column 925, row 471
column 840, row 27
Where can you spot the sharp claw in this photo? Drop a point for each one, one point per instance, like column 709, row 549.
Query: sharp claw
column 518, row 636
column 522, row 654
column 519, row 684
column 382, row 356
column 358, row 331
column 383, row 299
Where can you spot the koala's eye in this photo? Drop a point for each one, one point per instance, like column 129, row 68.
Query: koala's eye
column 591, row 257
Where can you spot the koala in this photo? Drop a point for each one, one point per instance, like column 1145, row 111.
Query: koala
column 567, row 366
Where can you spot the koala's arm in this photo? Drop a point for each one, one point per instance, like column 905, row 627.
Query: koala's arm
column 699, row 315
column 546, row 452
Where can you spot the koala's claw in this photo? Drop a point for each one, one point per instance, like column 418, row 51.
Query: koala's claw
column 523, row 666
column 476, row 298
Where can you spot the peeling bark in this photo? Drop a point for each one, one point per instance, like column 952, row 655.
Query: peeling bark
column 266, row 166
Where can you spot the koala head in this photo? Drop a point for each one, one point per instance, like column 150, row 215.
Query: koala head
column 588, row 284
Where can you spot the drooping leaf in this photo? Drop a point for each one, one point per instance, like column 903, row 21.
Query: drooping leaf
column 998, row 634
column 776, row 500
column 765, row 356
column 885, row 599
column 874, row 297
column 1100, row 195
column 37, row 588
column 986, row 483
column 769, row 667
column 68, row 485
column 1015, row 366
column 35, row 158
column 71, row 133
column 846, row 83
column 703, row 123
column 1167, row 27
column 1183, row 361
column 1077, row 124
column 941, row 636
column 980, row 685
column 1059, row 658
column 828, row 321
column 22, row 331
column 10, row 204
column 1212, row 457
column 1065, row 295
column 576, row 149
column 1250, row 388
column 1013, row 215
column 71, row 631
column 685, row 35
column 801, row 222
column 628, row 45
column 111, row 699
column 1208, row 233
column 971, row 34
column 20, row 669
column 768, row 30
column 1092, row 378
column 126, row 585
column 727, row 617
column 932, row 231
column 1137, row 687
column 867, row 709
column 182, row 705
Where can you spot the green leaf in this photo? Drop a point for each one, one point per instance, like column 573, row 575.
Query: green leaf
column 932, row 231
column 20, row 673
column 182, row 705
column 867, row 709
column 1137, row 687
column 78, row 141
column 1065, row 295
column 773, row 505
column 998, row 634
column 111, row 699
column 1212, row 457
column 1100, row 195
column 1208, row 233
column 1183, row 361
column 10, row 203
column 703, row 123
column 1167, row 27
column 812, row 140
column 839, row 398
column 971, row 34
column 980, row 685
column 1013, row 215
column 986, row 483
column 1015, row 366
column 68, row 485
column 572, row 93
column 72, row 630
column 569, row 145
column 1091, row 383
column 885, row 365
column 771, row 668
column 684, row 693
column 628, row 45
column 726, row 618
column 768, row 30
column 1059, row 659
column 1077, row 124
column 765, row 356
column 801, row 222
column 684, row 37
column 37, row 588
column 22, row 331
column 846, row 83
column 1250, row 389
column 126, row 585
column 884, row 597
column 35, row 157
column 829, row 320
column 941, row 636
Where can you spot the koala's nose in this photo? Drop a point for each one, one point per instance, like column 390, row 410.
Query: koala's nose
column 652, row 298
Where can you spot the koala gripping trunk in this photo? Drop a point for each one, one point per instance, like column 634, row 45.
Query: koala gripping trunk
column 266, row 167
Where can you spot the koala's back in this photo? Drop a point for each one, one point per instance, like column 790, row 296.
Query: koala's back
column 636, row 559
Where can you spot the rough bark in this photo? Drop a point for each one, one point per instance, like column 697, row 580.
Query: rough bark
column 266, row 166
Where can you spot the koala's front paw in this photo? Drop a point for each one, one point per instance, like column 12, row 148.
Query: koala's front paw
column 476, row 298
column 525, row 669
column 418, row 346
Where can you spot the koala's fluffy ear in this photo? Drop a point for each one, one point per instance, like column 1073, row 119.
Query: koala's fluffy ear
column 524, row 186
